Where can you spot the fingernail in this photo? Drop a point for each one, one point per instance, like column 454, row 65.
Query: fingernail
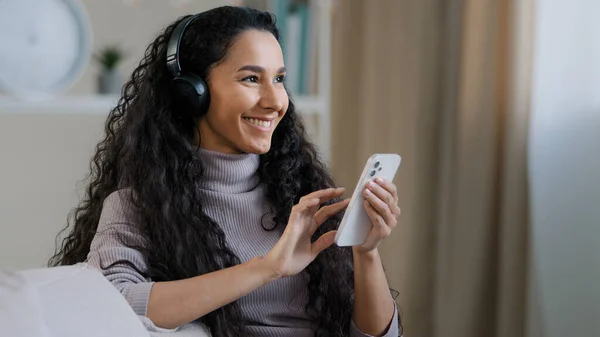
column 379, row 180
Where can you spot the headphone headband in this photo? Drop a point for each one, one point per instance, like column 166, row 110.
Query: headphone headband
column 173, row 46
column 187, row 88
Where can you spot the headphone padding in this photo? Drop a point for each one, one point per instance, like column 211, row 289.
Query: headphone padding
column 191, row 91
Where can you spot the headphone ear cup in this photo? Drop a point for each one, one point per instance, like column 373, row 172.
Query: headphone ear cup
column 191, row 92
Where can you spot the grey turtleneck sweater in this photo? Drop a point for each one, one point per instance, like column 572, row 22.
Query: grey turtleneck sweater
column 234, row 198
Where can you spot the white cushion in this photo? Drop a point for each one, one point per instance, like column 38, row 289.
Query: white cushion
column 69, row 301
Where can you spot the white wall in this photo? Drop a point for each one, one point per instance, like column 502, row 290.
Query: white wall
column 565, row 170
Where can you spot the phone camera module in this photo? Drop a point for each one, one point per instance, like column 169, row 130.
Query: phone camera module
column 376, row 164
column 372, row 173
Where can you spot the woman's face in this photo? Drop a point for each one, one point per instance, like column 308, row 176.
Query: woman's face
column 247, row 96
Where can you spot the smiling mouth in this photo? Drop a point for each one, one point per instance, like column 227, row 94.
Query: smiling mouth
column 259, row 123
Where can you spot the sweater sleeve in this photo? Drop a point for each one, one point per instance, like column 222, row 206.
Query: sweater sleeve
column 392, row 331
column 111, row 251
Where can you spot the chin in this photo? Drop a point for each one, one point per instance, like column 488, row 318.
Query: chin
column 257, row 146
column 258, row 149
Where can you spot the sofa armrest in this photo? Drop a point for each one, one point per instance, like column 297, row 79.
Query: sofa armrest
column 64, row 301
column 189, row 330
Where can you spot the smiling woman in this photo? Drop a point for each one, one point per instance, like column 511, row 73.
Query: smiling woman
column 207, row 203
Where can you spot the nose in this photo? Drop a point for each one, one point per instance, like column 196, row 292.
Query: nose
column 273, row 98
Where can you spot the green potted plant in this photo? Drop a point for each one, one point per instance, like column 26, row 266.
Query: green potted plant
column 109, row 80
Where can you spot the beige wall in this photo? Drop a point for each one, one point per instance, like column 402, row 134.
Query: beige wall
column 42, row 160
column 43, row 157
column 131, row 26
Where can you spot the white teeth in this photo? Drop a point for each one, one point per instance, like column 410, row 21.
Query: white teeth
column 258, row 122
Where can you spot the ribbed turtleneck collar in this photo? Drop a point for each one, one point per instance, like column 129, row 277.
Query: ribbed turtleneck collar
column 229, row 173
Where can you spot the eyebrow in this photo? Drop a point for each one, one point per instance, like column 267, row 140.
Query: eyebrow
column 259, row 69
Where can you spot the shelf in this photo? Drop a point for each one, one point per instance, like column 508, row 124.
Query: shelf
column 66, row 105
column 102, row 104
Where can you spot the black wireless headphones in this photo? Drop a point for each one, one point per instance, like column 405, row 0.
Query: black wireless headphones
column 187, row 88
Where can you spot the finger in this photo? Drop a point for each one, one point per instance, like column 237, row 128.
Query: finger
column 388, row 186
column 312, row 206
column 379, row 205
column 322, row 243
column 378, row 232
column 307, row 208
column 325, row 194
column 392, row 189
column 379, row 223
column 307, row 203
column 326, row 212
column 382, row 193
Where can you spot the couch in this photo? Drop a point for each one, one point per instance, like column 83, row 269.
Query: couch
column 72, row 301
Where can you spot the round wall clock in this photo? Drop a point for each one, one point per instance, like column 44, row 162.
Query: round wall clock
column 46, row 46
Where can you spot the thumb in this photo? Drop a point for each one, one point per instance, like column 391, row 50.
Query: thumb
column 323, row 242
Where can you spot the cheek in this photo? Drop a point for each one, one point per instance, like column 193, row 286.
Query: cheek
column 286, row 102
column 231, row 107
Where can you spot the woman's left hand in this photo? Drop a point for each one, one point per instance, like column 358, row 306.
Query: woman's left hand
column 381, row 204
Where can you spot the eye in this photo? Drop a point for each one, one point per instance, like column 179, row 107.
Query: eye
column 252, row 79
column 280, row 79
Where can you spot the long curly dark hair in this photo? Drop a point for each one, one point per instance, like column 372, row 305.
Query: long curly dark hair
column 148, row 147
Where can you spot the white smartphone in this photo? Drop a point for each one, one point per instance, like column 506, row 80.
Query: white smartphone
column 355, row 224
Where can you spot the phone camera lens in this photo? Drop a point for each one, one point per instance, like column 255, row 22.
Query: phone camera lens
column 376, row 164
column 372, row 173
column 379, row 169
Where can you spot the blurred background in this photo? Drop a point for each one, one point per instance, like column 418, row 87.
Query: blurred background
column 494, row 106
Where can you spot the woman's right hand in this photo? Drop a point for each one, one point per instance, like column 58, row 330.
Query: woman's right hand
column 294, row 250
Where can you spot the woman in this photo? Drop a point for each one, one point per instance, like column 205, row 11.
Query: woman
column 207, row 209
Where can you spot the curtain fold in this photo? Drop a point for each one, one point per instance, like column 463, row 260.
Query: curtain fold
column 446, row 85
